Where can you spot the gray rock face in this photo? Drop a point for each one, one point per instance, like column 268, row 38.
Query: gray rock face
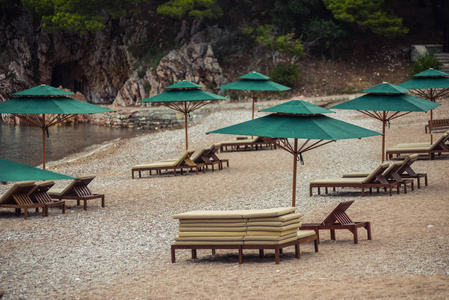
column 100, row 66
column 194, row 62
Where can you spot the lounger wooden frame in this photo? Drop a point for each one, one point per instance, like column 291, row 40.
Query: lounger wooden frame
column 375, row 180
column 277, row 248
column 181, row 164
column 79, row 191
column 406, row 171
column 17, row 197
column 40, row 195
column 255, row 143
column 438, row 147
column 204, row 157
column 337, row 220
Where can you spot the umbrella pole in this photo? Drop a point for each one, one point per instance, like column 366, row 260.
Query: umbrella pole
column 44, row 127
column 295, row 169
column 431, row 118
column 253, row 96
column 383, row 139
column 185, row 124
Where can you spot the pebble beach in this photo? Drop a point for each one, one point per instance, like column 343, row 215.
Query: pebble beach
column 122, row 251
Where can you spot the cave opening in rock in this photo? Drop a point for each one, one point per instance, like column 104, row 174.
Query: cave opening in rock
column 70, row 76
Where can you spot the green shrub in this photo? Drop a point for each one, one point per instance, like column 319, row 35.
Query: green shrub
column 424, row 62
column 285, row 74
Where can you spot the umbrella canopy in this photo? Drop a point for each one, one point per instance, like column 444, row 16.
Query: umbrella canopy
column 431, row 85
column 254, row 84
column 386, row 102
column 46, row 100
column 297, row 119
column 12, row 171
column 185, row 97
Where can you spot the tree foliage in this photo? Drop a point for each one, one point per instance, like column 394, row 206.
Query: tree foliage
column 325, row 37
column 78, row 15
column 267, row 36
column 369, row 15
column 426, row 61
column 178, row 9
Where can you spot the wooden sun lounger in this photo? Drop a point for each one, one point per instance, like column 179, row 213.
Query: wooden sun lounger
column 77, row 190
column 203, row 157
column 338, row 219
column 182, row 163
column 375, row 179
column 17, row 197
column 245, row 143
column 437, row 123
column 39, row 195
column 404, row 171
column 277, row 248
column 438, row 147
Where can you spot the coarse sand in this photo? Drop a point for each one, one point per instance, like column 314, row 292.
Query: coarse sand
column 123, row 251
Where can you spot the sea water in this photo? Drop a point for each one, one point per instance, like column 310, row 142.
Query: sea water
column 23, row 144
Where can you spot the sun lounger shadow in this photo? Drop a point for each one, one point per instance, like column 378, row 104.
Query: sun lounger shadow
column 184, row 162
column 77, row 190
column 40, row 195
column 338, row 219
column 17, row 197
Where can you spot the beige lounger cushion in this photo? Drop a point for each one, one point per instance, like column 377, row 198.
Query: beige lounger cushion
column 202, row 229
column 209, row 225
column 416, row 148
column 159, row 164
column 269, row 237
column 236, row 214
column 274, row 228
column 278, row 233
column 186, row 222
column 212, row 243
column 305, row 233
column 283, row 218
column 355, row 174
column 340, row 180
column 269, row 242
column 57, row 192
column 213, row 233
column 210, row 238
column 279, row 224
column 201, row 214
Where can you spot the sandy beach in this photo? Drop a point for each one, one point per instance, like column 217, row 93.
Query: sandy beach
column 122, row 251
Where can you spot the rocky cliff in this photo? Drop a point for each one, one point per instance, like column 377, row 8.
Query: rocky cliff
column 100, row 66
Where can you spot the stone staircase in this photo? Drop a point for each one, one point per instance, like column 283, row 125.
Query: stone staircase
column 443, row 58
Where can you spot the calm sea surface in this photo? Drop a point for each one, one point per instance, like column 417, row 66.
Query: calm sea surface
column 23, row 144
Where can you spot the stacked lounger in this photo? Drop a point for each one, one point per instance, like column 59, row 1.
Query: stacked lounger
column 241, row 229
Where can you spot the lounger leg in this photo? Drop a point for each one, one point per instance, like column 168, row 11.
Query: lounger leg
column 193, row 253
column 276, row 255
column 85, row 204
column 316, row 242
column 297, row 253
column 368, row 229
column 173, row 255
column 45, row 211
column 333, row 234
column 213, row 251
column 310, row 191
column 412, row 184
column 319, row 191
column 363, row 191
column 325, row 190
column 25, row 212
column 261, row 254
column 354, row 231
column 425, row 180
column 240, row 255
column 63, row 207
column 102, row 201
column 391, row 191
column 405, row 188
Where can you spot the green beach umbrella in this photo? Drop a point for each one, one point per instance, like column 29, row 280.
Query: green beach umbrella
column 184, row 97
column 253, row 84
column 386, row 102
column 34, row 104
column 297, row 120
column 431, row 85
column 12, row 171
